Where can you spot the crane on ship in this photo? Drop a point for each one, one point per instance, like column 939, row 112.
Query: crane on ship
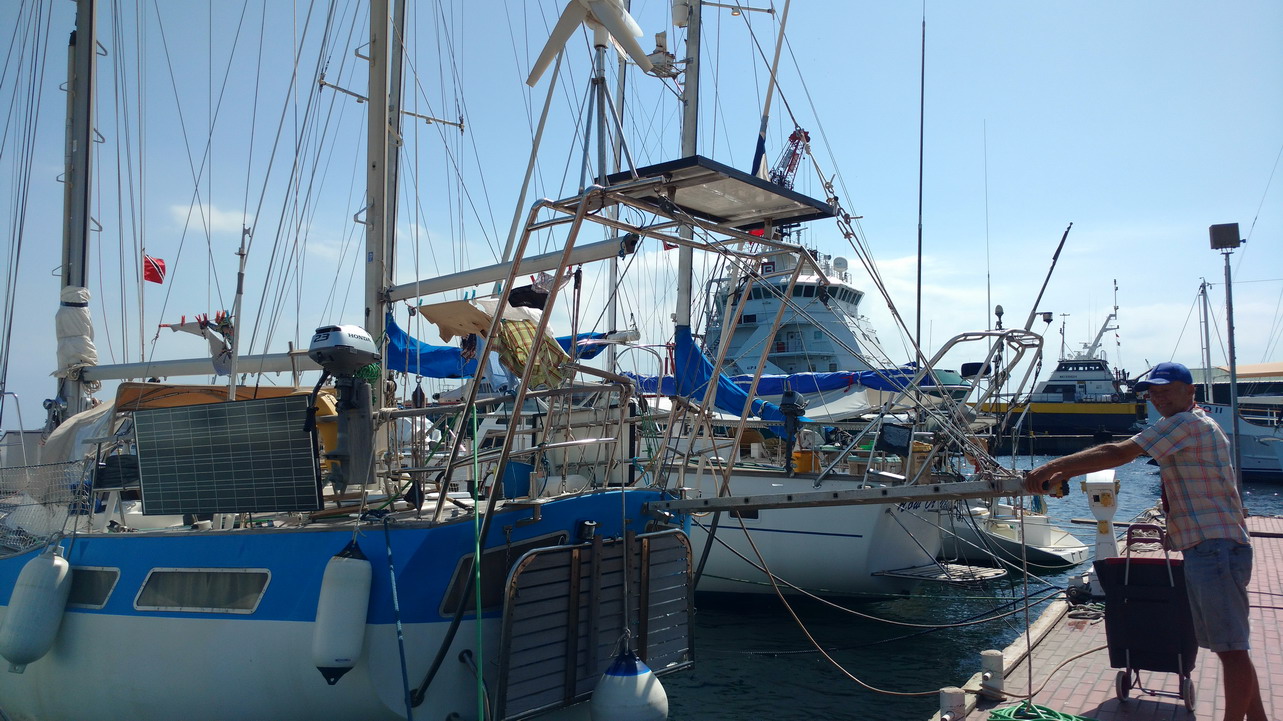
column 785, row 169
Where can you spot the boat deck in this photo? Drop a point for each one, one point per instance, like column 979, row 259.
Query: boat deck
column 1085, row 686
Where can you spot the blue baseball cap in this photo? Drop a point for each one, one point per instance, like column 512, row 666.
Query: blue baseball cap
column 1164, row 373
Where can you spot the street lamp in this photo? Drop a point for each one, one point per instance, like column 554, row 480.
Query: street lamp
column 1225, row 238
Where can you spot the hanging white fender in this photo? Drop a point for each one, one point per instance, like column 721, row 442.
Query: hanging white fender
column 338, row 635
column 35, row 609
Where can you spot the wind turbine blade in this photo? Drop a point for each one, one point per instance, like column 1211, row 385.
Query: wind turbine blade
column 622, row 28
column 570, row 19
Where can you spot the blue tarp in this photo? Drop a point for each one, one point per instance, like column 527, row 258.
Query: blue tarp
column 695, row 372
column 586, row 352
column 410, row 355
column 887, row 379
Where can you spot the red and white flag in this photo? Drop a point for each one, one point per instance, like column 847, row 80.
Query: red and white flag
column 153, row 269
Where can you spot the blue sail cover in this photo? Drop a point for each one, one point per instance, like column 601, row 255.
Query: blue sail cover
column 695, row 372
column 584, row 352
column 886, row 379
column 410, row 355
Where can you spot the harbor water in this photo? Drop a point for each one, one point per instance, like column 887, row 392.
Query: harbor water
column 754, row 661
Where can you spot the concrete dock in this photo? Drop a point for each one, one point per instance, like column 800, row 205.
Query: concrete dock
column 1085, row 686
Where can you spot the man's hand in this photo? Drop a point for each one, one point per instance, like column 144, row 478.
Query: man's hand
column 1044, row 480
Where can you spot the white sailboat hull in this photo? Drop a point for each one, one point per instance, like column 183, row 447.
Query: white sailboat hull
column 212, row 670
column 835, row 550
column 1260, row 445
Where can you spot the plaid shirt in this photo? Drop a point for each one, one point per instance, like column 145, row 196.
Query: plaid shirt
column 1194, row 463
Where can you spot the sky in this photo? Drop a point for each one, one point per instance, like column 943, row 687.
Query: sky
column 1140, row 123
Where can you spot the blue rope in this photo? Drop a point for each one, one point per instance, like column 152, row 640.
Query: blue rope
column 400, row 633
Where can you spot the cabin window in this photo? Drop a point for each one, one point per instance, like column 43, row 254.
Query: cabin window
column 808, row 291
column 751, row 515
column 496, row 563
column 203, row 590
column 91, row 586
column 748, row 318
column 797, row 291
column 755, row 294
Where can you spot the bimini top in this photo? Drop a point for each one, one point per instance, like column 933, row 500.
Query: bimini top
column 719, row 193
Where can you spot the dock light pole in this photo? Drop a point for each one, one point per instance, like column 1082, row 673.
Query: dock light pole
column 1225, row 238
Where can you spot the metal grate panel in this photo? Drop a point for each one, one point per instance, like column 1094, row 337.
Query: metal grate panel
column 564, row 617
column 244, row 456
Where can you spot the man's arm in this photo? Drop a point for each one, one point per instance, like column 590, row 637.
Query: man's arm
column 1096, row 458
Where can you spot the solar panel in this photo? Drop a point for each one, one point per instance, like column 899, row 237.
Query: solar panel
column 244, row 456
column 710, row 190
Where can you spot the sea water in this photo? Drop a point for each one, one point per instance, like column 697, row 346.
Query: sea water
column 754, row 661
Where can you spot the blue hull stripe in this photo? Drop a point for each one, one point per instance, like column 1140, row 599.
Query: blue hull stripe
column 426, row 557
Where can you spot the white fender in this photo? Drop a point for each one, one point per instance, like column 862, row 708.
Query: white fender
column 35, row 609
column 339, row 632
column 629, row 691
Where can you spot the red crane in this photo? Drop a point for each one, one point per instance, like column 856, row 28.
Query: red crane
column 790, row 159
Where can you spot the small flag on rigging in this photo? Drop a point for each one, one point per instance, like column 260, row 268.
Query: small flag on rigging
column 153, row 269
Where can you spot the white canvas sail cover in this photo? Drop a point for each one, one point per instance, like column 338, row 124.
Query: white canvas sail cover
column 75, row 330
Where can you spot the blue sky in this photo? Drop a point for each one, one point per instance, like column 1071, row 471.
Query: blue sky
column 1142, row 123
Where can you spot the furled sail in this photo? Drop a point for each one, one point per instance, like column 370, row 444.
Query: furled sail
column 75, row 330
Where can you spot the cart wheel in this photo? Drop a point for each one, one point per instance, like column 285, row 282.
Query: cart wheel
column 1187, row 692
column 1123, row 684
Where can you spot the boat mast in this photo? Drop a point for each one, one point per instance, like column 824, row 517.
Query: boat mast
column 76, row 196
column 381, row 165
column 690, row 145
column 1207, row 344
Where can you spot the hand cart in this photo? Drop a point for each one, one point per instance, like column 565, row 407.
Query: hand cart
column 1148, row 626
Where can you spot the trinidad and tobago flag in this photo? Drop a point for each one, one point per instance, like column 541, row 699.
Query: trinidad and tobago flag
column 153, row 269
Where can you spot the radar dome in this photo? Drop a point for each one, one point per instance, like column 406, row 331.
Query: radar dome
column 839, row 264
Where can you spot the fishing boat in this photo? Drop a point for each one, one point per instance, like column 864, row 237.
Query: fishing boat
column 291, row 551
column 1081, row 403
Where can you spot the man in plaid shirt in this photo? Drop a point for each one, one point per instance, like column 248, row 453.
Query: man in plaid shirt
column 1205, row 521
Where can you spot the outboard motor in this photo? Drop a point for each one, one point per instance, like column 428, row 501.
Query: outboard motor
column 792, row 405
column 342, row 351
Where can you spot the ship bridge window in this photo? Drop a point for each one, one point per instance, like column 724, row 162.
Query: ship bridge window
column 808, row 291
column 748, row 318
column 91, row 586
column 203, row 590
column 495, row 565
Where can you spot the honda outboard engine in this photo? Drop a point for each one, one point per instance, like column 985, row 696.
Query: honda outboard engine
column 342, row 351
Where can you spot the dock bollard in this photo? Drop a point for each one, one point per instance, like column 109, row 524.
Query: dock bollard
column 953, row 704
column 991, row 675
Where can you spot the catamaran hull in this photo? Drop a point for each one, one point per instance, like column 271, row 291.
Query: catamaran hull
column 133, row 658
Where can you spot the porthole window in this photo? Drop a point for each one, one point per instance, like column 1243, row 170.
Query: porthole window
column 91, row 586
column 203, row 590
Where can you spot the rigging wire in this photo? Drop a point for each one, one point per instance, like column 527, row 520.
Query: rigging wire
column 33, row 30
